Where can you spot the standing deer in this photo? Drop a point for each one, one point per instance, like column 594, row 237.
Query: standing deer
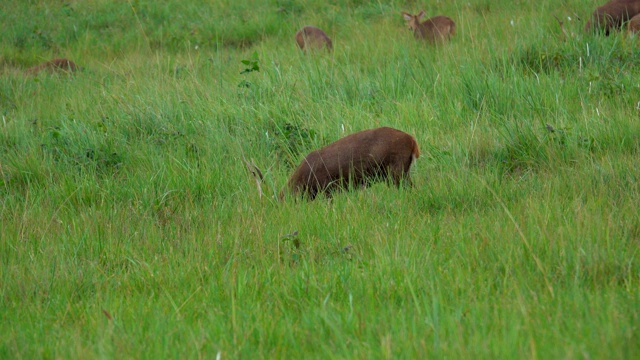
column 358, row 160
column 612, row 15
column 310, row 37
column 435, row 29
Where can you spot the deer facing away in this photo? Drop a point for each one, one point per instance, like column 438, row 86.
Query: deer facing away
column 634, row 24
column 358, row 160
column 313, row 38
column 612, row 15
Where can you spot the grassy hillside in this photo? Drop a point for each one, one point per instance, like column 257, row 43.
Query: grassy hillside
column 131, row 228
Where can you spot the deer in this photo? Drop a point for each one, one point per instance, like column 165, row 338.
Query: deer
column 435, row 29
column 359, row 160
column 634, row 25
column 311, row 37
column 612, row 15
column 55, row 65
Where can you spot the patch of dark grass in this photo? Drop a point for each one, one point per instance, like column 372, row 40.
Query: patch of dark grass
column 531, row 148
column 38, row 27
column 523, row 151
column 609, row 83
column 490, row 94
column 288, row 140
column 248, row 35
column 167, row 26
column 20, row 172
column 373, row 10
column 293, row 7
column 600, row 273
column 102, row 160
column 240, row 42
column 8, row 143
column 616, row 136
column 526, row 147
column 68, row 148
column 7, row 103
column 151, row 128
column 603, row 54
column 481, row 8
column 544, row 59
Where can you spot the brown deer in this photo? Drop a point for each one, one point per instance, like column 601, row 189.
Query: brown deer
column 435, row 29
column 310, row 37
column 612, row 15
column 358, row 160
column 55, row 65
column 634, row 24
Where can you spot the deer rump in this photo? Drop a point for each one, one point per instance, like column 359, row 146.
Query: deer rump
column 357, row 161
column 313, row 38
column 613, row 15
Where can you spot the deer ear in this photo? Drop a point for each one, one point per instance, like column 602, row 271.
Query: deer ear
column 420, row 14
column 406, row 16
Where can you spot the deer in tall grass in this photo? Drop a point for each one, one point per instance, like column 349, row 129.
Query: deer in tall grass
column 634, row 25
column 436, row 29
column 313, row 38
column 612, row 15
column 357, row 160
column 55, row 65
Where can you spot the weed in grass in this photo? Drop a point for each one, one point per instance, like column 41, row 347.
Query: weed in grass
column 290, row 252
column 288, row 141
column 252, row 64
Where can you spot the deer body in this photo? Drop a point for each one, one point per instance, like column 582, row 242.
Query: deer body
column 358, row 159
column 634, row 24
column 55, row 65
column 310, row 37
column 435, row 29
column 613, row 15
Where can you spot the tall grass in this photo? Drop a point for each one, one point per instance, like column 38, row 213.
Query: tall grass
column 130, row 226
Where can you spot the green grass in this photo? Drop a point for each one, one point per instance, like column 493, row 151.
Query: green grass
column 131, row 228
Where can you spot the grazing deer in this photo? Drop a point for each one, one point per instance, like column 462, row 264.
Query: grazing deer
column 358, row 160
column 435, row 29
column 634, row 24
column 612, row 15
column 55, row 65
column 310, row 37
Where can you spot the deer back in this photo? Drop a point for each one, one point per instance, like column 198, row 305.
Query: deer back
column 311, row 37
column 356, row 159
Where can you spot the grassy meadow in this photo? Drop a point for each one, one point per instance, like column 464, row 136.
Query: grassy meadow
column 131, row 228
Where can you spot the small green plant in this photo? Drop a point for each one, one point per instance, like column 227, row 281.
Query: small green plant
column 557, row 135
column 252, row 64
column 289, row 251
